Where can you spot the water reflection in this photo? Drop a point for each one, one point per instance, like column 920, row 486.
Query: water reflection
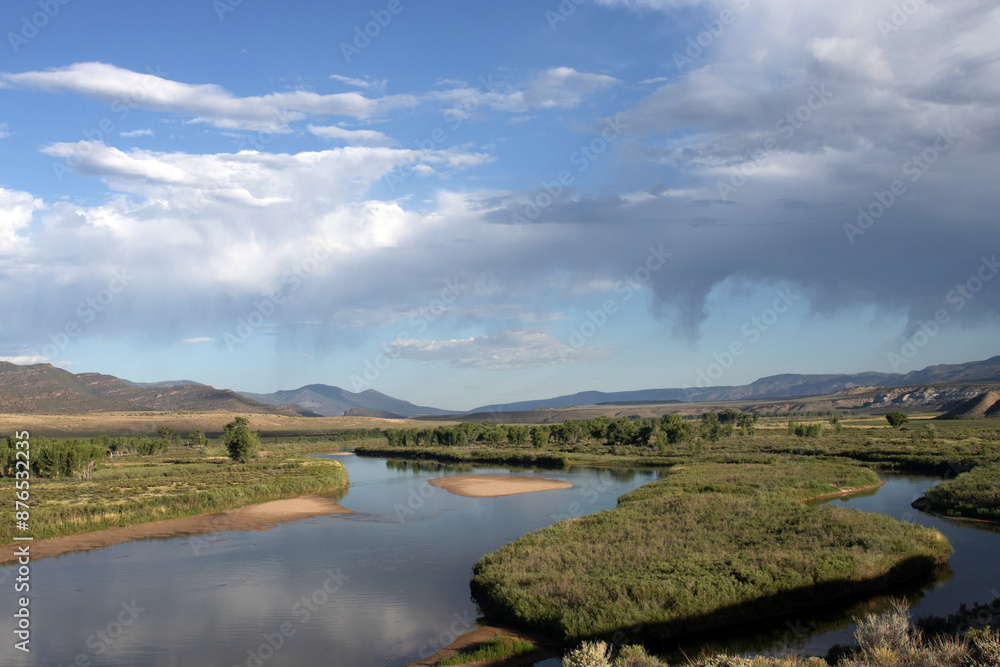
column 378, row 587
column 390, row 583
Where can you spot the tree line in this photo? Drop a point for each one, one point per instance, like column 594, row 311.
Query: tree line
column 651, row 432
column 51, row 458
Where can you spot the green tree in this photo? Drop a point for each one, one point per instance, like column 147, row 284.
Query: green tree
column 197, row 438
column 835, row 422
column 621, row 432
column 539, row 436
column 675, row 430
column 746, row 423
column 517, row 435
column 241, row 442
column 897, row 419
column 711, row 428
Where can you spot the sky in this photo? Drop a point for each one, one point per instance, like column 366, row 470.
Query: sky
column 464, row 203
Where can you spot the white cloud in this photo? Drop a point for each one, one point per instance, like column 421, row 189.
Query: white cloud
column 4, row 131
column 497, row 352
column 138, row 133
column 26, row 360
column 377, row 85
column 556, row 88
column 17, row 210
column 189, row 183
column 516, row 120
column 565, row 88
column 352, row 137
column 660, row 5
column 195, row 341
column 205, row 103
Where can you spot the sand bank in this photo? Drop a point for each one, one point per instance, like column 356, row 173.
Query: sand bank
column 492, row 486
column 251, row 517
column 845, row 492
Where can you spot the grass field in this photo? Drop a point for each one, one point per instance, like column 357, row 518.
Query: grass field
column 134, row 423
column 708, row 545
column 491, row 650
column 185, row 481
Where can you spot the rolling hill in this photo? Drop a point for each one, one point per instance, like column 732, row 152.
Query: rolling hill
column 984, row 405
column 45, row 389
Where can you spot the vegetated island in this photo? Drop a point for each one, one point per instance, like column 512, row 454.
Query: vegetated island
column 710, row 545
column 91, row 493
column 494, row 486
column 971, row 495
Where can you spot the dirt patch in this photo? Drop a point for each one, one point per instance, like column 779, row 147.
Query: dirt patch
column 845, row 492
column 251, row 517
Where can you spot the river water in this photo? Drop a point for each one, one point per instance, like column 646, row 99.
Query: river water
column 384, row 586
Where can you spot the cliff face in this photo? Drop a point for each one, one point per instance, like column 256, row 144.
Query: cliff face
column 923, row 398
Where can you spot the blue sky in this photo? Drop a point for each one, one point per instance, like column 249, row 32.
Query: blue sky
column 487, row 202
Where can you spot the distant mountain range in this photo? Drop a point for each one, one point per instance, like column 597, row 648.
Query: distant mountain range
column 43, row 388
column 775, row 386
column 334, row 401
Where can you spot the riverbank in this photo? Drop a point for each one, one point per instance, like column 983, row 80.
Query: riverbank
column 495, row 486
column 470, row 641
column 843, row 493
column 261, row 516
column 132, row 490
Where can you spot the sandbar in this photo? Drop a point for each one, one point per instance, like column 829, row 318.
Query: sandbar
column 493, row 486
column 261, row 516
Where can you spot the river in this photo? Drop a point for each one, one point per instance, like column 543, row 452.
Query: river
column 386, row 585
